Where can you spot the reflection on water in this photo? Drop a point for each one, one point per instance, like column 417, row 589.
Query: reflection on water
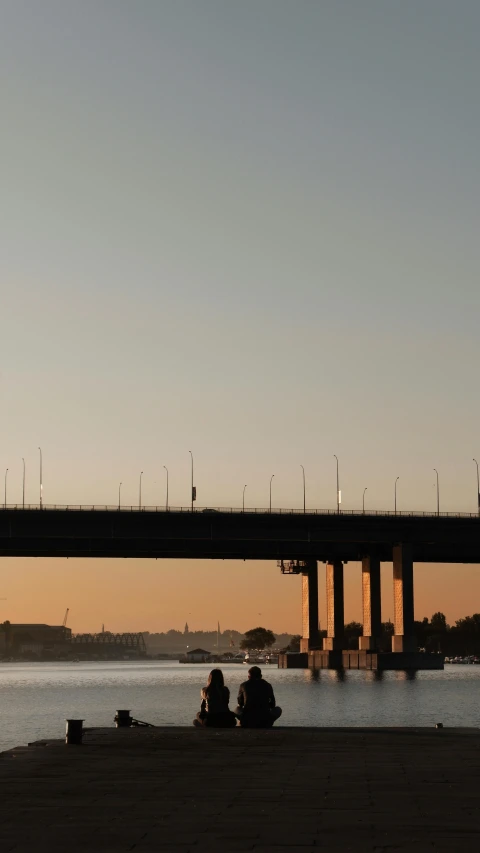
column 312, row 674
column 374, row 674
column 337, row 674
column 35, row 699
column 406, row 675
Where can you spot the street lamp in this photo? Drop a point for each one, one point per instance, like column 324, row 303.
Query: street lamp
column 271, row 478
column 303, row 472
column 363, row 502
column 438, row 493
column 5, row 500
column 338, row 487
column 243, row 498
column 119, row 494
column 194, row 491
column 23, row 485
column 140, row 491
column 478, row 486
column 166, row 499
column 396, row 481
column 41, row 477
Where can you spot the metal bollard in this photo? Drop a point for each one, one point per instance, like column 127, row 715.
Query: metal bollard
column 123, row 719
column 439, row 725
column 74, row 731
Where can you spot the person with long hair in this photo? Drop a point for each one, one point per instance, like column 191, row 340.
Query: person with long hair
column 214, row 711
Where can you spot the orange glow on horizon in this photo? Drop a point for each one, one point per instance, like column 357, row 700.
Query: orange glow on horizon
column 153, row 595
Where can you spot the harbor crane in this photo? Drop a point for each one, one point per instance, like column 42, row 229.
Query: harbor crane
column 64, row 623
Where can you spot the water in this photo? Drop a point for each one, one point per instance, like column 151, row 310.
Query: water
column 35, row 699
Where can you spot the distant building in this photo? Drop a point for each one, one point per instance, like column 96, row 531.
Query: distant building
column 35, row 649
column 197, row 656
column 36, row 637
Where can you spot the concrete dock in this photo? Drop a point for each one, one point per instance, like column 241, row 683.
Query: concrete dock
column 285, row 790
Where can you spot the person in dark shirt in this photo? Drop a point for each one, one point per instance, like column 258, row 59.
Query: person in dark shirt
column 256, row 707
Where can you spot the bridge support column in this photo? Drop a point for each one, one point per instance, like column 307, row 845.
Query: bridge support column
column 310, row 633
column 335, row 607
column 403, row 639
column 372, row 607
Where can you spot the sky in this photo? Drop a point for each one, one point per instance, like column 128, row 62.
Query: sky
column 249, row 230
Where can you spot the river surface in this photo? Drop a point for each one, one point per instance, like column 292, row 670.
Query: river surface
column 35, row 699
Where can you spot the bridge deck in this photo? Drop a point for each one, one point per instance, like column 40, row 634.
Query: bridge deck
column 280, row 791
column 228, row 535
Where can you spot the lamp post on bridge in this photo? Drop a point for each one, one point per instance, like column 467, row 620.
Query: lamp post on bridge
column 23, row 484
column 363, row 500
column 270, row 505
column 396, row 481
column 338, row 487
column 438, row 493
column 140, row 491
column 41, row 477
column 5, row 499
column 119, row 494
column 478, row 486
column 166, row 498
column 303, row 473
column 243, row 498
column 194, row 491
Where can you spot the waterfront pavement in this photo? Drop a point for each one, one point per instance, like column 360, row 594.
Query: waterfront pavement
column 285, row 790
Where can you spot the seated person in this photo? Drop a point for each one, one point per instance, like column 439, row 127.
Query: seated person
column 214, row 708
column 256, row 707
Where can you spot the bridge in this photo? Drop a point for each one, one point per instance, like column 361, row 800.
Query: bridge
column 297, row 539
column 108, row 643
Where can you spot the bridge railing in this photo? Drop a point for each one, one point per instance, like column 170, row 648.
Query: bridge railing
column 233, row 510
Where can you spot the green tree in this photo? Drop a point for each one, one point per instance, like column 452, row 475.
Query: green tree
column 438, row 622
column 258, row 638
column 353, row 630
column 5, row 627
column 294, row 644
column 469, row 624
column 386, row 636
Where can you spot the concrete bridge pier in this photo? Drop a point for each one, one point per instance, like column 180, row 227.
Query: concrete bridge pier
column 310, row 633
column 403, row 639
column 372, row 606
column 334, row 640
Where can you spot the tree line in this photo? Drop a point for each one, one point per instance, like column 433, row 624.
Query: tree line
column 462, row 638
column 228, row 640
column 432, row 635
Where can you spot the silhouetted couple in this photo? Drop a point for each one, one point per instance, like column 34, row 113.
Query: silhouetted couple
column 256, row 707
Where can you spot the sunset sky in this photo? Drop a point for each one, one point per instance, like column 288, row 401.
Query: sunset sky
column 249, row 229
